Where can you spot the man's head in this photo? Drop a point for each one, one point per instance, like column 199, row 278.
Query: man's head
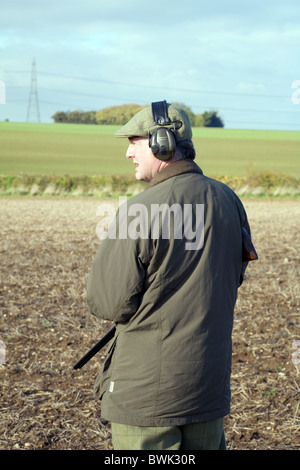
column 147, row 165
column 159, row 134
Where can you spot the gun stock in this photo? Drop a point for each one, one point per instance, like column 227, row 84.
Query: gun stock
column 99, row 345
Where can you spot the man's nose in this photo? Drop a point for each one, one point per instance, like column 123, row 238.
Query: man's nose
column 129, row 153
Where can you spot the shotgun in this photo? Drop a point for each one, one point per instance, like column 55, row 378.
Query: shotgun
column 101, row 343
column 249, row 252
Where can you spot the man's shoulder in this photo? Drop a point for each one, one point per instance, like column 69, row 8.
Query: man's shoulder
column 152, row 194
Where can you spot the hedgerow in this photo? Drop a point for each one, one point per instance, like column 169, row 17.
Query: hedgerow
column 253, row 184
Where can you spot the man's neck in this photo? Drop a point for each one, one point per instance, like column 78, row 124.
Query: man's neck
column 175, row 168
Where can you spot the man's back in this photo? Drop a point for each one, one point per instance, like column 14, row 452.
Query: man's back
column 174, row 297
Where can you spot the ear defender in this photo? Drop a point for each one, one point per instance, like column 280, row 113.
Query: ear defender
column 162, row 141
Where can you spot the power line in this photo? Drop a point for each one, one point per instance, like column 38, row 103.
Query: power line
column 92, row 95
column 164, row 88
column 34, row 94
column 135, row 85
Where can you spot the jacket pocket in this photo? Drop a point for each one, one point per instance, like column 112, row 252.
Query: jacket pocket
column 103, row 377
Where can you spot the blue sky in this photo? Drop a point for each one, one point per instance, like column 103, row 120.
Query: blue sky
column 238, row 58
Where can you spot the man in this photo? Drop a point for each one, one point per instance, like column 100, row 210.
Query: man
column 170, row 286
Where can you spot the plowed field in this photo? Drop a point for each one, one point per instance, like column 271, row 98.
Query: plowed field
column 47, row 247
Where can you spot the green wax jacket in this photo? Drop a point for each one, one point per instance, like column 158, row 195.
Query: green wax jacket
column 172, row 297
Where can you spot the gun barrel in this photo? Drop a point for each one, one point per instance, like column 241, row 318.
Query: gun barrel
column 99, row 345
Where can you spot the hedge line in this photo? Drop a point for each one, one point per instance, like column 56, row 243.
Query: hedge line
column 255, row 184
column 66, row 185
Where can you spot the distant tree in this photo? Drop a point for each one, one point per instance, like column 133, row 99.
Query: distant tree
column 117, row 114
column 60, row 116
column 211, row 119
column 77, row 117
column 199, row 120
column 88, row 117
column 188, row 111
column 74, row 117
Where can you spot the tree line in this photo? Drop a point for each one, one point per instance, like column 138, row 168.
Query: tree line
column 119, row 115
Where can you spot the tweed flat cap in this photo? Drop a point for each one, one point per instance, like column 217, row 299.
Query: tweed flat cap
column 143, row 123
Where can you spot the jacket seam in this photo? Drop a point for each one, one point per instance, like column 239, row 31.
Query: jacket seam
column 159, row 365
column 160, row 321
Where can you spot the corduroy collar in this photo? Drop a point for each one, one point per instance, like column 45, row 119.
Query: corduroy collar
column 174, row 169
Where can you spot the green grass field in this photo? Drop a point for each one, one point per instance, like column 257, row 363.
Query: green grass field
column 76, row 149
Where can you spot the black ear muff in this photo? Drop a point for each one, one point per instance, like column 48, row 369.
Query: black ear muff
column 162, row 141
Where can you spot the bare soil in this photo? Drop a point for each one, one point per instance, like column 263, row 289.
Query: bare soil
column 47, row 247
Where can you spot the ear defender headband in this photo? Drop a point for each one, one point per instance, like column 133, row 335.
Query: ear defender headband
column 163, row 140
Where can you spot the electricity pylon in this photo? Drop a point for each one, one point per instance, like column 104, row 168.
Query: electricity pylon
column 33, row 95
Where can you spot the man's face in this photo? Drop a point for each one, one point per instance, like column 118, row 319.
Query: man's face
column 147, row 165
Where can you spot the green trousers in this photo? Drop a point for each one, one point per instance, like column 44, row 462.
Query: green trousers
column 208, row 435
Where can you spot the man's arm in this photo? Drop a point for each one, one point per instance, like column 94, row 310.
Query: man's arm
column 116, row 280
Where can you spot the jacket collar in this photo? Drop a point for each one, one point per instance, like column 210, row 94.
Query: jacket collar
column 175, row 169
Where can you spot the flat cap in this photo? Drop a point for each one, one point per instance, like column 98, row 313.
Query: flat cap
column 143, row 123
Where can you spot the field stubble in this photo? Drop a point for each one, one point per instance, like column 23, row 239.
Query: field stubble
column 47, row 248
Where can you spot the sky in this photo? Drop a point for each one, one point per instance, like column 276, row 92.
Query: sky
column 239, row 58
